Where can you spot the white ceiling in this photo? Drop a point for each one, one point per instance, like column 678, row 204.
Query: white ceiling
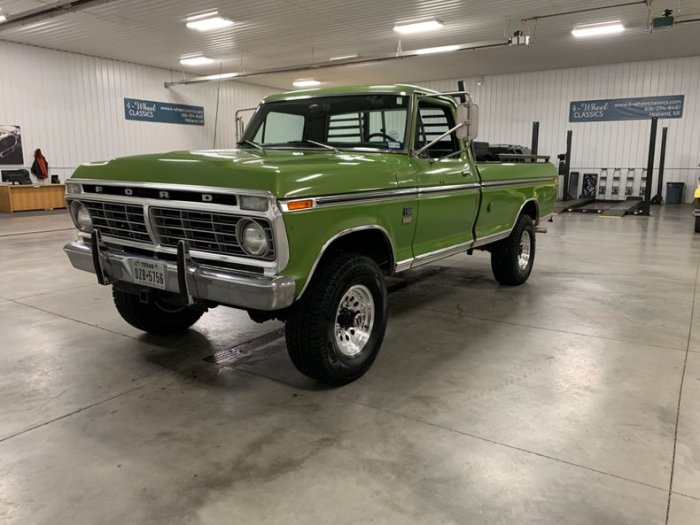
column 283, row 33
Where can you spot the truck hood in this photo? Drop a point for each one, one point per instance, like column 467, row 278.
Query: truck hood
column 285, row 173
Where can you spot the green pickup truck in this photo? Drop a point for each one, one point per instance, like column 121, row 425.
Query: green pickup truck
column 329, row 192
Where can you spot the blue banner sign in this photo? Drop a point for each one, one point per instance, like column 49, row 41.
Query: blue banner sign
column 666, row 107
column 152, row 111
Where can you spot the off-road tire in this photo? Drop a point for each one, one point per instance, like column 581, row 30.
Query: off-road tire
column 155, row 317
column 310, row 329
column 505, row 254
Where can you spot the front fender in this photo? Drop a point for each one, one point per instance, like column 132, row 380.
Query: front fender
column 310, row 233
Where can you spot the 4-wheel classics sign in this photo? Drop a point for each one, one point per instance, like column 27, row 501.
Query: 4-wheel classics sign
column 167, row 112
column 643, row 108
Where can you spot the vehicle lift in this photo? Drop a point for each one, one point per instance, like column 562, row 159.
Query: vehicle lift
column 570, row 186
column 591, row 201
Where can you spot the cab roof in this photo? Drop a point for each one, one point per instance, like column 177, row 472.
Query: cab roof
column 389, row 89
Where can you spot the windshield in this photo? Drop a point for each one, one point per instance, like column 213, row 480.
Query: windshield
column 351, row 121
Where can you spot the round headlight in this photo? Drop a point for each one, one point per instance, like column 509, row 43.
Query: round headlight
column 253, row 239
column 81, row 215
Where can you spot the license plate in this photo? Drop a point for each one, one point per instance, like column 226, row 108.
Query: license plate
column 149, row 274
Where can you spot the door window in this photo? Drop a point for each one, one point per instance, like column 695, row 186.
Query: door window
column 434, row 120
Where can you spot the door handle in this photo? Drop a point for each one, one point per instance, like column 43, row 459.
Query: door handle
column 466, row 172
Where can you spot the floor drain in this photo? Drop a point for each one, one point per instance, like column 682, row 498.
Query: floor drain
column 245, row 349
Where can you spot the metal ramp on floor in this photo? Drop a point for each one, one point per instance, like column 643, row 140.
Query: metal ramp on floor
column 569, row 205
column 622, row 208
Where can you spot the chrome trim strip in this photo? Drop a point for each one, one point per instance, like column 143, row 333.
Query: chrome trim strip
column 280, row 240
column 537, row 211
column 427, row 258
column 491, row 184
column 449, row 188
column 338, row 236
column 345, row 198
column 360, row 196
column 169, row 185
column 403, row 265
column 209, row 256
column 494, row 237
column 184, row 262
column 190, row 205
column 149, row 224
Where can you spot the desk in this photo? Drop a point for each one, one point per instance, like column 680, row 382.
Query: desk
column 25, row 197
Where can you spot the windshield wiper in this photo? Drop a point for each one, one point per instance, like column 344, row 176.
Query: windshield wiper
column 251, row 143
column 321, row 144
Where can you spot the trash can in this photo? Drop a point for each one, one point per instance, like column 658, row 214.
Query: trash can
column 674, row 192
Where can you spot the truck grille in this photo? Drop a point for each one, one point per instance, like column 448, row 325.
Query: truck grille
column 208, row 232
column 123, row 221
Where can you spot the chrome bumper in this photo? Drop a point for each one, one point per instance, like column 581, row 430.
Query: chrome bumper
column 199, row 281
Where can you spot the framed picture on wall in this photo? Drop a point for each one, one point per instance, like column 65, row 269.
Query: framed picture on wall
column 11, row 146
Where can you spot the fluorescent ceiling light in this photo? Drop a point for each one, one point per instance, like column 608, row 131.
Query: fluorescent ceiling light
column 306, row 83
column 208, row 22
column 219, row 76
column 431, row 50
column 408, row 28
column 197, row 60
column 344, row 57
column 606, row 28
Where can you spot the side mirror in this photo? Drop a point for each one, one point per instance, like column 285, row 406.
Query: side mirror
column 468, row 116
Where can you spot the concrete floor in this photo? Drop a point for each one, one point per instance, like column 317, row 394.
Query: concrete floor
column 572, row 399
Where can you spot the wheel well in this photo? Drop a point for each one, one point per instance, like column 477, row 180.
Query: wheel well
column 372, row 243
column 530, row 208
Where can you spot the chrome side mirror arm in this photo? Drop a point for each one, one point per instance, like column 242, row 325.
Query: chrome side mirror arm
column 417, row 153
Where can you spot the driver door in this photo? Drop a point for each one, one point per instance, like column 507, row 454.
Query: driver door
column 449, row 189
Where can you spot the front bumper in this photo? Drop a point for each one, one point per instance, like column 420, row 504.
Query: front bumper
column 193, row 280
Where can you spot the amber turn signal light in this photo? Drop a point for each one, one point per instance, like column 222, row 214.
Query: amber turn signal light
column 300, row 205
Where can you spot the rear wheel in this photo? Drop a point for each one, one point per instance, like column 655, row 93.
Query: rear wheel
column 155, row 317
column 512, row 258
column 335, row 331
column 697, row 224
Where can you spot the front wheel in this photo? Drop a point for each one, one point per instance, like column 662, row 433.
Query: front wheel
column 512, row 258
column 335, row 331
column 155, row 317
column 697, row 224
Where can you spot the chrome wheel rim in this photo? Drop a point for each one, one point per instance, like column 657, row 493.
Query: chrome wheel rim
column 354, row 320
column 524, row 250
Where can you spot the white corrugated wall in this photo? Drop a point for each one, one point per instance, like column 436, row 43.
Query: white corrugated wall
column 71, row 106
column 510, row 103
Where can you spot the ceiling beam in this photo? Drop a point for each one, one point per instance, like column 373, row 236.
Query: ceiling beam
column 586, row 10
column 49, row 11
column 326, row 65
